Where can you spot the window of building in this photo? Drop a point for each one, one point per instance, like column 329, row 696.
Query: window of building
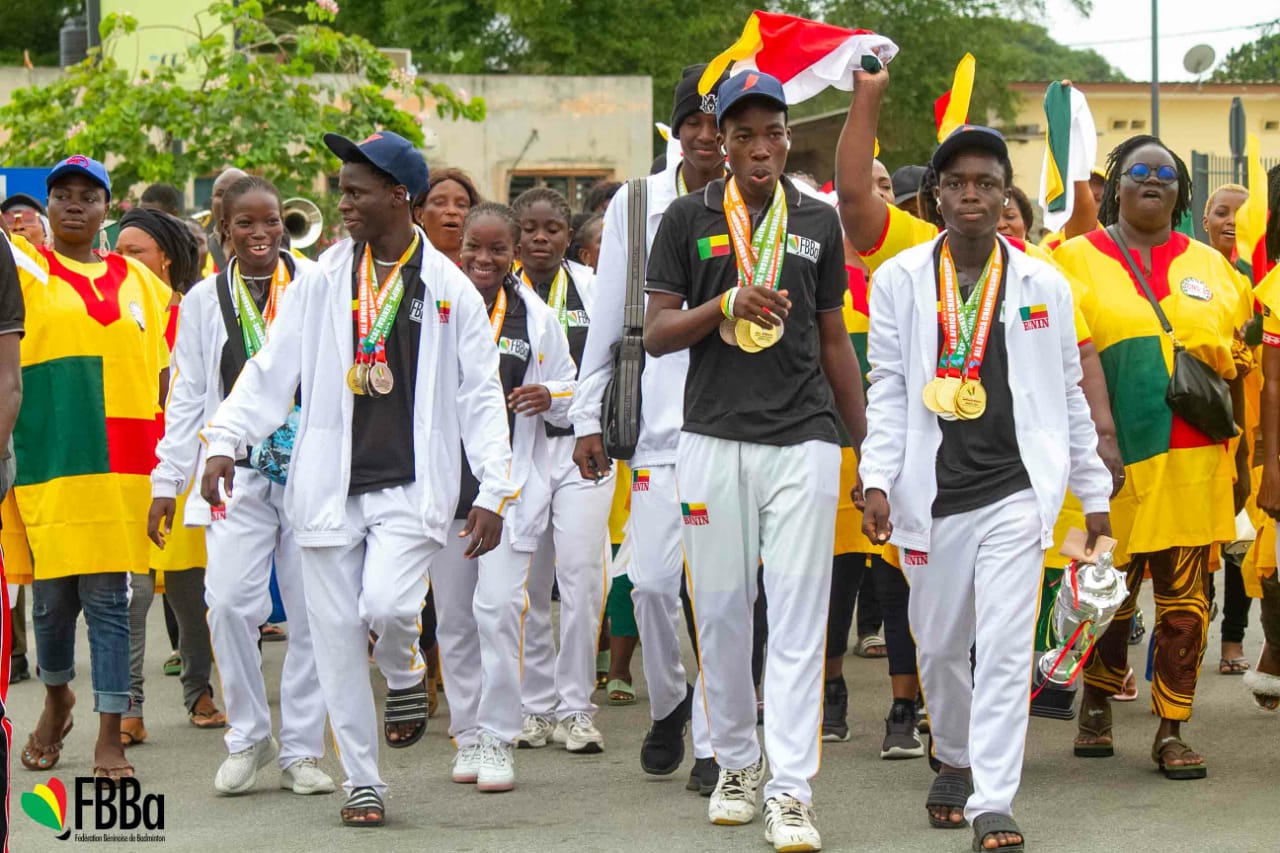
column 1119, row 124
column 573, row 185
column 1271, row 124
column 1137, row 124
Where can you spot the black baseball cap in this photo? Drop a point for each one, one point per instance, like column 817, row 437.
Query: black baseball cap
column 968, row 137
column 906, row 182
column 22, row 200
column 687, row 99
column 384, row 150
column 749, row 84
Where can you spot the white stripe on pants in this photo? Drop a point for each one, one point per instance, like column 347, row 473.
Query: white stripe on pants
column 480, row 605
column 777, row 504
column 241, row 548
column 979, row 590
column 573, row 551
column 655, row 571
column 376, row 583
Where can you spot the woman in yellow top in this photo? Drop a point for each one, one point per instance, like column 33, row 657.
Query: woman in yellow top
column 85, row 441
column 1264, row 681
column 1177, row 499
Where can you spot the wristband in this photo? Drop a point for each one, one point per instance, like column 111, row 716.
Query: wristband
column 726, row 302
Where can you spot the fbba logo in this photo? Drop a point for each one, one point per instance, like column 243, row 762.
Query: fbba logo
column 104, row 810
column 47, row 805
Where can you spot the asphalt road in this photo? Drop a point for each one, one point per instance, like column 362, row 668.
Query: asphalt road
column 564, row 802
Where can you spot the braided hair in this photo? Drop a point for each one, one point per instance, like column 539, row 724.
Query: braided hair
column 1109, row 210
column 493, row 208
column 529, row 198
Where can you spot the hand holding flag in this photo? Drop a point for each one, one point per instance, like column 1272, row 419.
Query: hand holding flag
column 1071, row 149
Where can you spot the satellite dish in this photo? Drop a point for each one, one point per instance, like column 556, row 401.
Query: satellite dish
column 1199, row 59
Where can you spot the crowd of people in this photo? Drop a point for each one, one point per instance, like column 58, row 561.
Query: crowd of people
column 867, row 418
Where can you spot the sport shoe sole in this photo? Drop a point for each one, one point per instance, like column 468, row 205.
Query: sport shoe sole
column 584, row 747
column 895, row 753
column 496, row 787
column 829, row 736
column 264, row 757
column 287, row 783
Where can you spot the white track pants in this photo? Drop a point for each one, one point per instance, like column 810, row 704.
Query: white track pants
column 377, row 583
column 480, row 605
column 655, row 570
column 979, row 585
column 241, row 548
column 573, row 551
column 742, row 503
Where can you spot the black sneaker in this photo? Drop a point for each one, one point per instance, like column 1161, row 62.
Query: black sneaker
column 19, row 669
column 704, row 776
column 835, row 710
column 663, row 747
column 901, row 740
column 922, row 715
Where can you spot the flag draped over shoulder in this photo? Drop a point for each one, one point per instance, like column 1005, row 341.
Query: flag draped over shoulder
column 1251, row 218
column 806, row 56
column 1071, row 148
column 952, row 109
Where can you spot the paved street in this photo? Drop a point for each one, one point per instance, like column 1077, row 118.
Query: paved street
column 605, row 803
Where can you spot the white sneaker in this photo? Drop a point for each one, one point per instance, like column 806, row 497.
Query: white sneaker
column 239, row 772
column 581, row 735
column 733, row 802
column 497, row 765
column 304, row 777
column 561, row 733
column 466, row 764
column 788, row 825
column 535, row 732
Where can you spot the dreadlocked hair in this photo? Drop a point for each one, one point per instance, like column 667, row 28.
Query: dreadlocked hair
column 529, row 198
column 500, row 211
column 1109, row 210
column 1273, row 222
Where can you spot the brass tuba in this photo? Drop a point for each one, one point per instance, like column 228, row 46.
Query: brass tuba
column 303, row 221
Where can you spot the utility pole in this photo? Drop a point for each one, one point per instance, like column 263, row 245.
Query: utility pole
column 1155, row 68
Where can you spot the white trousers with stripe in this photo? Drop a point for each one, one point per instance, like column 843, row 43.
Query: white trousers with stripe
column 979, row 587
column 655, row 571
column 480, row 605
column 241, row 549
column 744, row 503
column 573, row 552
column 377, row 583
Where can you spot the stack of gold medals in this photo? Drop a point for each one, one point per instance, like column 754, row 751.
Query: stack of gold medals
column 956, row 392
column 370, row 375
column 759, row 260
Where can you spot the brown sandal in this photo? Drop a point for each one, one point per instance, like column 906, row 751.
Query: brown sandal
column 43, row 756
column 1174, row 747
column 132, row 731
column 1094, row 723
column 205, row 715
column 115, row 774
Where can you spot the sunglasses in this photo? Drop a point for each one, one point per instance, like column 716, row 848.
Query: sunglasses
column 1141, row 172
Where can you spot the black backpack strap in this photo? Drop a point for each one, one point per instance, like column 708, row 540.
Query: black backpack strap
column 234, row 355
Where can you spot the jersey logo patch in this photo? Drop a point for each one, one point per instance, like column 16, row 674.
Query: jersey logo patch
column 803, row 247
column 640, row 480
column 695, row 515
column 578, row 319
column 415, row 311
column 715, row 246
column 515, row 347
column 1034, row 317
column 914, row 558
column 443, row 308
column 1196, row 289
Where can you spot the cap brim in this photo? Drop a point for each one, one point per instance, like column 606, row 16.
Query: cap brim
column 975, row 140
column 23, row 199
column 345, row 150
column 899, row 199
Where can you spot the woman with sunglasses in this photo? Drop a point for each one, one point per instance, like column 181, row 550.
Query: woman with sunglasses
column 1178, row 497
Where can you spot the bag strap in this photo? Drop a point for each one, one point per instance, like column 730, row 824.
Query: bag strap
column 234, row 355
column 1113, row 231
column 637, row 252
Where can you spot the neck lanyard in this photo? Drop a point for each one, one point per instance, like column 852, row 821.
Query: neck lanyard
column 499, row 312
column 964, row 348
column 682, row 188
column 378, row 308
column 759, row 255
column 253, row 324
column 558, row 297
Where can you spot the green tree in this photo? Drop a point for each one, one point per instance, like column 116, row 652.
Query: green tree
column 1255, row 62
column 32, row 29
column 260, row 101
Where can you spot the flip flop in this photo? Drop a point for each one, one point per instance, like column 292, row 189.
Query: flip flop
column 115, row 774
column 1094, row 722
column 1161, row 750
column 1233, row 666
column 1129, row 690
column 132, row 731
column 44, row 756
column 621, row 692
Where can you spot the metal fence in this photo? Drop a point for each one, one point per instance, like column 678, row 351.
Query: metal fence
column 1209, row 171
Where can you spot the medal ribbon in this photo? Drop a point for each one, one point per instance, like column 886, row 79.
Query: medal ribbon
column 558, row 298
column 385, row 301
column 758, row 256
column 498, row 314
column 253, row 325
column 964, row 336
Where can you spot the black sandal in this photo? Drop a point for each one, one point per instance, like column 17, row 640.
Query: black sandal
column 990, row 823
column 410, row 705
column 366, row 799
column 950, row 790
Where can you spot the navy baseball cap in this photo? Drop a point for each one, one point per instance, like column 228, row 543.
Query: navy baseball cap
column 78, row 164
column 22, row 200
column 384, row 150
column 968, row 137
column 906, row 182
column 748, row 84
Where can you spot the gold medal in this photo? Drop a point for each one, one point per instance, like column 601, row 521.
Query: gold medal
column 945, row 396
column 930, row 395
column 380, row 379
column 728, row 332
column 971, row 400
column 742, row 331
column 765, row 337
column 354, row 381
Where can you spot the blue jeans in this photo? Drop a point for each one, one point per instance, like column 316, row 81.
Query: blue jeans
column 104, row 598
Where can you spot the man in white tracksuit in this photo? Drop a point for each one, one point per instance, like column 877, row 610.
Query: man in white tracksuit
column 376, row 464
column 976, row 472
column 657, row 559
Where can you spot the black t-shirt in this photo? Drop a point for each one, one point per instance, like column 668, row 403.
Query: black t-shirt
column 513, row 360
column 579, row 322
column 382, row 427
column 13, row 311
column 778, row 396
column 978, row 461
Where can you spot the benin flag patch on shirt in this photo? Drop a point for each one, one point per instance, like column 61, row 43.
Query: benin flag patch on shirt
column 1034, row 316
column 715, row 246
column 640, row 480
column 694, row 514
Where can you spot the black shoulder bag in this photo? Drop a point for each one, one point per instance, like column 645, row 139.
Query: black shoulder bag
column 1196, row 392
column 620, row 417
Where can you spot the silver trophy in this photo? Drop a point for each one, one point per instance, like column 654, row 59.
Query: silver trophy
column 1088, row 597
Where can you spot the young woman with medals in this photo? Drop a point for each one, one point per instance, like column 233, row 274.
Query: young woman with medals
column 225, row 322
column 556, row 687
column 372, row 480
column 977, row 422
column 481, row 607
column 758, row 462
column 656, row 564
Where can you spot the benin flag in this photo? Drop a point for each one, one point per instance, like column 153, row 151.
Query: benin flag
column 952, row 109
column 806, row 56
column 715, row 246
column 1251, row 218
